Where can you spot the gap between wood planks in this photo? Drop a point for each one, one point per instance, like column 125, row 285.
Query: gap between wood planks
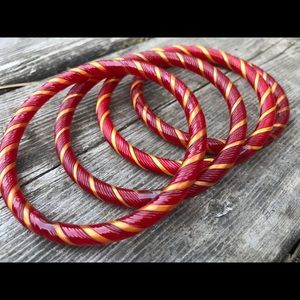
column 294, row 253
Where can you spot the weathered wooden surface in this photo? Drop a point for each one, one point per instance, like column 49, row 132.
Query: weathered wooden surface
column 24, row 60
column 263, row 224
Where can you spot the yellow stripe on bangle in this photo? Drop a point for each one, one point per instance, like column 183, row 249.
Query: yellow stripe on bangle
column 228, row 89
column 215, row 75
column 118, row 196
column 81, row 72
column 283, row 109
column 8, row 149
column 144, row 114
column 193, row 159
column 59, row 80
column 183, row 49
column 126, row 227
column 250, row 147
column 162, row 55
column 186, row 97
column 235, row 105
column 220, row 166
column 92, row 186
column 274, row 86
column 75, row 170
column 114, row 140
column 11, row 196
column 178, row 186
column 265, row 76
column 102, row 119
column 262, row 130
column 48, row 93
column 63, row 151
column 65, row 111
column 173, row 83
column 265, row 95
column 101, row 99
column 237, row 126
column 256, row 81
column 98, row 66
column 137, row 82
column 61, row 234
column 26, row 215
column 181, row 137
column 203, row 183
column 93, row 234
column 72, row 96
column 280, row 99
column 160, row 165
column 131, row 150
column 206, row 53
column 200, row 65
column 6, row 170
column 158, row 208
column 197, row 137
column 194, row 114
column 234, row 144
column 26, row 109
column 141, row 56
column 16, row 126
column 225, row 58
column 279, row 125
column 158, row 75
column 60, row 133
column 243, row 68
column 158, row 127
column 181, row 59
column 109, row 81
column 134, row 99
column 140, row 68
column 267, row 113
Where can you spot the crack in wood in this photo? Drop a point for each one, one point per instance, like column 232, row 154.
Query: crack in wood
column 294, row 253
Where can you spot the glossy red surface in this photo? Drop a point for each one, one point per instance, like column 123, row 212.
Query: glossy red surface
column 190, row 177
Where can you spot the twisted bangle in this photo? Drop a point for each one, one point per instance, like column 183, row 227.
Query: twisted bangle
column 132, row 223
column 213, row 169
column 190, row 176
column 253, row 74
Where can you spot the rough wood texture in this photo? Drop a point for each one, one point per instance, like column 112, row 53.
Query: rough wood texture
column 263, row 224
column 24, row 60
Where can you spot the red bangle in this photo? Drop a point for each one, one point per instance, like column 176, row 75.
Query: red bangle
column 132, row 223
column 213, row 169
column 191, row 176
column 245, row 69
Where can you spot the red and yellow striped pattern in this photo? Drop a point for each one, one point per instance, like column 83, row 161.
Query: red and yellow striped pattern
column 192, row 175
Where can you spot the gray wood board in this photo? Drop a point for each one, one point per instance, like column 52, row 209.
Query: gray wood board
column 263, row 224
column 25, row 60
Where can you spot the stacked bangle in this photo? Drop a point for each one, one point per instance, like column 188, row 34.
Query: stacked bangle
column 212, row 169
column 192, row 175
column 253, row 74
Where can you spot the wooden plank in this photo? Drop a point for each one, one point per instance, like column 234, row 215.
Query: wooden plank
column 44, row 120
column 260, row 227
column 32, row 59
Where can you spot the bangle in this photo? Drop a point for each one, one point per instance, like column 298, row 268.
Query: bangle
column 214, row 168
column 130, row 224
column 190, row 176
column 271, row 129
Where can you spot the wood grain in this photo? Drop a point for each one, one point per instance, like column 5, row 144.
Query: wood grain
column 263, row 224
column 25, row 60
